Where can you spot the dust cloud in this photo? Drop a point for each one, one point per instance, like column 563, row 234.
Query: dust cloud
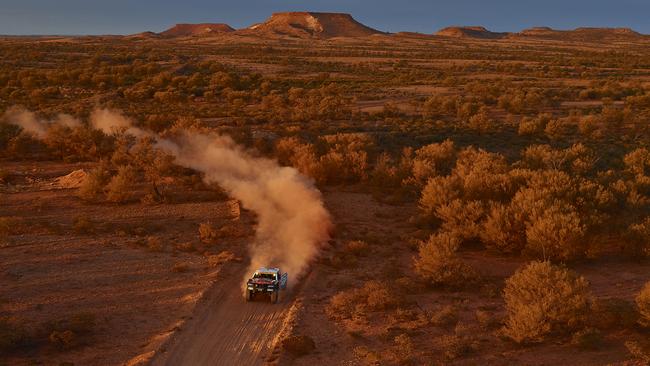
column 293, row 223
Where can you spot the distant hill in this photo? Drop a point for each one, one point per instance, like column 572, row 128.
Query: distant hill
column 581, row 34
column 144, row 35
column 470, row 32
column 182, row 30
column 311, row 25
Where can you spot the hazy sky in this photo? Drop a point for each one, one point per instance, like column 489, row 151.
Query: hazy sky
column 133, row 16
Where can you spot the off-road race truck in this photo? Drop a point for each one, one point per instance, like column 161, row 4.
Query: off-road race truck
column 267, row 282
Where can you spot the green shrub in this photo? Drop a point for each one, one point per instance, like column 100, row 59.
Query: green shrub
column 93, row 184
column 542, row 300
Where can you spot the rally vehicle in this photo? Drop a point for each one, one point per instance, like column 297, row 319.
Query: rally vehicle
column 266, row 282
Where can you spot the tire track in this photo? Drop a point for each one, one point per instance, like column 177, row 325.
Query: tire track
column 226, row 330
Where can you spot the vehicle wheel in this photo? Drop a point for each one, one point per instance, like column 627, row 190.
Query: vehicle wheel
column 249, row 295
column 274, row 297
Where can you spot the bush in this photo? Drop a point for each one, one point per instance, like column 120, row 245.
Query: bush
column 63, row 340
column 445, row 316
column 154, row 243
column 120, row 186
column 433, row 160
column 458, row 344
column 208, row 233
column 438, row 263
column 484, row 175
column 588, row 338
column 221, row 258
column 302, row 156
column 69, row 333
column 357, row 247
column 543, row 299
column 403, row 349
column 372, row 296
column 637, row 240
column 504, row 229
column 533, row 126
column 639, row 351
column 83, row 225
column 643, row 303
column 557, row 234
column 439, row 191
column 365, row 356
column 93, row 185
column 481, row 122
column 299, row 345
column 462, row 218
column 486, row 319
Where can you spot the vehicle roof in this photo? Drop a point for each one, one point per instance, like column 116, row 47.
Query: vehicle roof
column 268, row 270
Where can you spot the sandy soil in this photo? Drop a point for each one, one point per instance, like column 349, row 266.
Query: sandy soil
column 227, row 330
column 52, row 271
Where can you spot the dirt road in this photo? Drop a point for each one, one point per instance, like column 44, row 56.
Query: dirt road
column 226, row 330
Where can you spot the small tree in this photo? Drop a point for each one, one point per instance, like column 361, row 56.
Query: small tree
column 543, row 299
column 119, row 188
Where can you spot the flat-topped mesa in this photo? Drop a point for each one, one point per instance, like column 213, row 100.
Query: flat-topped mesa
column 183, row 30
column 581, row 34
column 470, row 32
column 312, row 25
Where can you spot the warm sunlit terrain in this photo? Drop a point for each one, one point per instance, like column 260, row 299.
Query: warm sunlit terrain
column 470, row 197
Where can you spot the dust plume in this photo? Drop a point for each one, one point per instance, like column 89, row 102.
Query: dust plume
column 35, row 126
column 292, row 220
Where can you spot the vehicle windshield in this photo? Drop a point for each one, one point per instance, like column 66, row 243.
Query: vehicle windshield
column 268, row 276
